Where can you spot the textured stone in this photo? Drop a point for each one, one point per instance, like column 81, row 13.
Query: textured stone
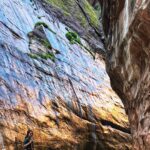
column 128, row 65
column 68, row 103
column 79, row 15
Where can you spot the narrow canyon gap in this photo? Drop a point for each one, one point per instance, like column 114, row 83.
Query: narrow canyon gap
column 126, row 25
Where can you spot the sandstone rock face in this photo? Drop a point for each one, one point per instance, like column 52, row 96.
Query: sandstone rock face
column 128, row 65
column 81, row 17
column 52, row 87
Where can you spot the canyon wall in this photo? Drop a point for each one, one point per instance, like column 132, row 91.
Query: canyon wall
column 127, row 30
column 58, row 89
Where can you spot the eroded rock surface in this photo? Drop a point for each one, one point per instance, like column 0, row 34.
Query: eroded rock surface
column 55, row 88
column 128, row 44
column 81, row 17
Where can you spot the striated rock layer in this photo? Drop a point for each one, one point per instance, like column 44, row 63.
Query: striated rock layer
column 53, row 87
column 128, row 65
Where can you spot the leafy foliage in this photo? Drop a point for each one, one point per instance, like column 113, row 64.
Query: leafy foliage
column 45, row 56
column 73, row 37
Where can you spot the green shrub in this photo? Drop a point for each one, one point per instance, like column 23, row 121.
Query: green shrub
column 47, row 56
column 43, row 56
column 34, row 56
column 69, row 36
column 73, row 37
column 78, row 40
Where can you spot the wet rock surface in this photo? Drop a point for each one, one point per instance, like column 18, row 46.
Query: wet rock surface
column 128, row 44
column 53, row 87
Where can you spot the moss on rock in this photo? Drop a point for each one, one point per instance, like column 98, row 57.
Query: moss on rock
column 41, row 23
column 45, row 56
column 71, row 8
column 33, row 56
column 91, row 13
column 46, row 43
column 44, row 25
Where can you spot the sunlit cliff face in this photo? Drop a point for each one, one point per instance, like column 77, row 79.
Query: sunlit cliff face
column 128, row 65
